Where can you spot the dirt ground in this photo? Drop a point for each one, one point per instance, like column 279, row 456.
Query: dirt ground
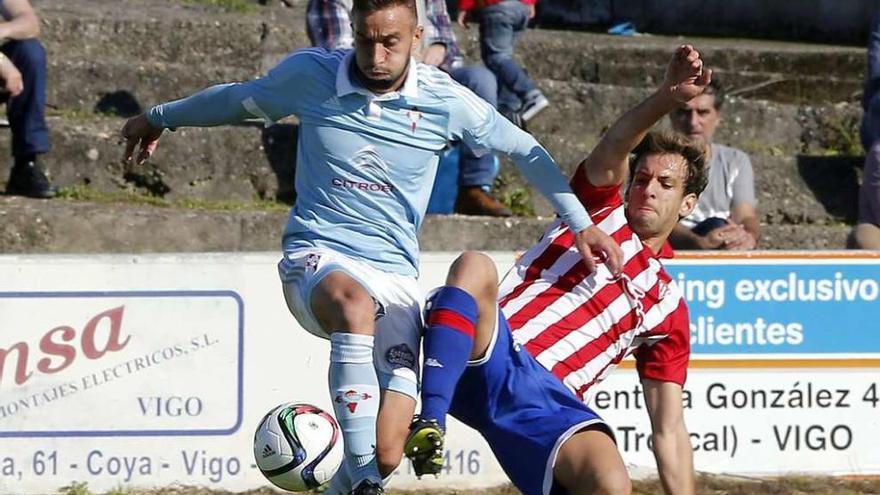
column 706, row 485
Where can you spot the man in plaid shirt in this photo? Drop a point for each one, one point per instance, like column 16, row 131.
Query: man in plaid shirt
column 329, row 26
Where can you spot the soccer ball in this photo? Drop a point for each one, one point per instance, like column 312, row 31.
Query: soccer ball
column 298, row 447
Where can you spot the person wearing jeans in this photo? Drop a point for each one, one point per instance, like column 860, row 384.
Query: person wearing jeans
column 866, row 232
column 23, row 71
column 501, row 24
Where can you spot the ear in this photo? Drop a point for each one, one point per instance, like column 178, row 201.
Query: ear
column 417, row 39
column 688, row 203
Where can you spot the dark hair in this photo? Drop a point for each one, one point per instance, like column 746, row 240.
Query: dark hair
column 663, row 142
column 367, row 7
column 716, row 90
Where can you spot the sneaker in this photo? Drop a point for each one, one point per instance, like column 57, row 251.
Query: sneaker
column 513, row 116
column 533, row 105
column 28, row 179
column 424, row 446
column 368, row 487
column 474, row 200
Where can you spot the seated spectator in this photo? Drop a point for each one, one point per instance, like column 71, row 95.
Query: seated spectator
column 725, row 216
column 329, row 27
column 23, row 70
column 866, row 234
column 501, row 24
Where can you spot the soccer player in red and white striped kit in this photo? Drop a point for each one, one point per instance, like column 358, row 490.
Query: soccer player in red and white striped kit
column 576, row 323
column 580, row 325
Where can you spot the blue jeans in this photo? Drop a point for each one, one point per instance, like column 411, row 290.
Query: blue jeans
column 500, row 27
column 476, row 170
column 26, row 112
column 870, row 130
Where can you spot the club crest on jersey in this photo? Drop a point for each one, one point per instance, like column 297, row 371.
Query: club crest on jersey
column 351, row 399
column 414, row 117
column 401, row 355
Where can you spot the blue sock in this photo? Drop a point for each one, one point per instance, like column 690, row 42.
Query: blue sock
column 449, row 340
column 354, row 390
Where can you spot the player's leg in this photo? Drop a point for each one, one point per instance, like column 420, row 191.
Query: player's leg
column 346, row 310
column 392, row 429
column 397, row 360
column 460, row 321
column 589, row 463
column 395, row 413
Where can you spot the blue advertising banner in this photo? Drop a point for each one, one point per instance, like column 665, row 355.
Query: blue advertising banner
column 785, row 306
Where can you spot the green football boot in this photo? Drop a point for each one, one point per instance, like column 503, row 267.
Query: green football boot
column 424, row 446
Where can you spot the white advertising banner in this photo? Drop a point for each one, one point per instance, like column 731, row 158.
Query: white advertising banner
column 154, row 370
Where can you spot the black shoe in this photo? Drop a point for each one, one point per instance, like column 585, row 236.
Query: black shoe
column 28, row 179
column 513, row 116
column 368, row 487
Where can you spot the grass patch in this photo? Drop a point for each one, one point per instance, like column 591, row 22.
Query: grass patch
column 83, row 193
column 73, row 114
column 706, row 485
column 516, row 197
column 841, row 136
column 238, row 6
column 75, row 488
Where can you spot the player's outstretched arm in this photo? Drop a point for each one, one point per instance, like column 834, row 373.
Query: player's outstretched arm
column 539, row 168
column 672, row 444
column 217, row 105
column 484, row 129
column 269, row 98
column 685, row 79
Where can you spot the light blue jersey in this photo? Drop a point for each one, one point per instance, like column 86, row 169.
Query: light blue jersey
column 365, row 162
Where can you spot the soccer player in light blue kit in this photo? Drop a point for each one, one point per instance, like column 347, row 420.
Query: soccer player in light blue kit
column 372, row 125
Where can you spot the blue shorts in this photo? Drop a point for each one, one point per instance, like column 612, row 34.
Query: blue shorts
column 522, row 410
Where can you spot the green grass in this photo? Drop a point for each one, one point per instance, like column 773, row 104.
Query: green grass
column 72, row 114
column 706, row 485
column 841, row 136
column 239, row 6
column 84, row 193
column 516, row 197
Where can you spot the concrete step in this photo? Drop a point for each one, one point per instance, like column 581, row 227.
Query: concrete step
column 807, row 189
column 791, row 190
column 223, row 164
column 780, row 71
column 61, row 226
column 166, row 31
column 579, row 112
column 246, row 162
column 122, row 88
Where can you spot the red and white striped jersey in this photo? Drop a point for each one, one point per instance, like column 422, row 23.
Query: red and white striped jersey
column 580, row 327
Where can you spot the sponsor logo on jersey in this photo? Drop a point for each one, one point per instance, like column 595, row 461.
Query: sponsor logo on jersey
column 401, row 355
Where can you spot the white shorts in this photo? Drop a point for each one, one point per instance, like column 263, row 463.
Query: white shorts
column 398, row 310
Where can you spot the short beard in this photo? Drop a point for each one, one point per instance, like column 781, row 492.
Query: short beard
column 379, row 85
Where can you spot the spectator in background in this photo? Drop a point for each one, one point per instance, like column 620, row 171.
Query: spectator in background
column 501, row 23
column 329, row 26
column 725, row 216
column 866, row 234
column 23, row 70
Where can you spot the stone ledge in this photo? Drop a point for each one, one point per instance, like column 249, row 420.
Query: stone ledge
column 58, row 226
